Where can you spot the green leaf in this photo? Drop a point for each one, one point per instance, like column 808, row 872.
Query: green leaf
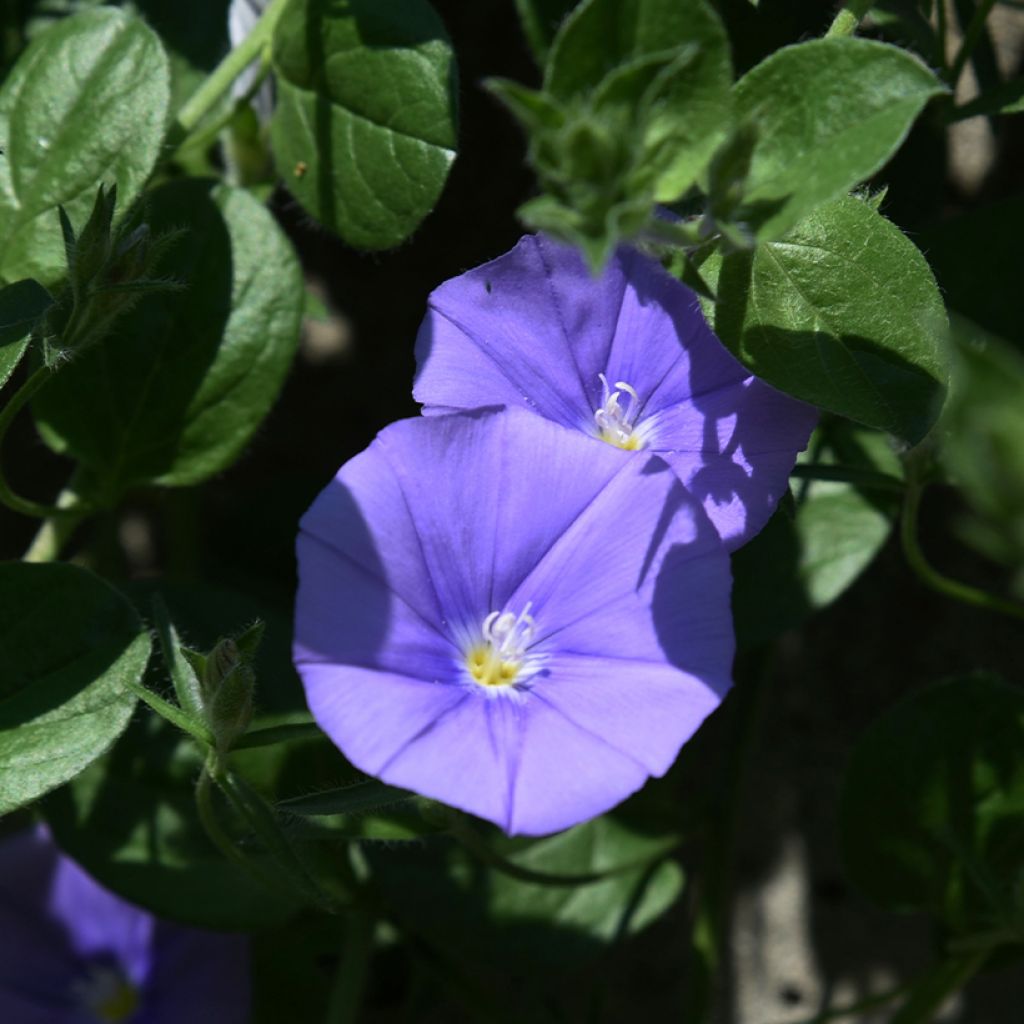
column 828, row 114
column 130, row 821
column 673, row 55
column 174, row 396
column 983, row 442
column 69, row 647
column 844, row 313
column 194, row 33
column 810, row 553
column 933, row 801
column 364, row 130
column 364, row 795
column 86, row 103
column 540, row 20
column 483, row 916
column 22, row 306
column 367, row 810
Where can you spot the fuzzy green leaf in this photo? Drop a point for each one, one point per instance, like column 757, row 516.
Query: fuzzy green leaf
column 70, row 645
column 87, row 103
column 174, row 396
column 364, row 130
column 844, row 313
column 22, row 306
column 828, row 114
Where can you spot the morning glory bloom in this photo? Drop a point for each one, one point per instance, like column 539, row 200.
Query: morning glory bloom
column 73, row 953
column 626, row 358
column 499, row 614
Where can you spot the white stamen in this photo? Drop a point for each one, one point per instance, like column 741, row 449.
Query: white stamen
column 502, row 661
column 510, row 634
column 615, row 424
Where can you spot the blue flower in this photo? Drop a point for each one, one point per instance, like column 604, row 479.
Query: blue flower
column 502, row 615
column 626, row 358
column 73, row 953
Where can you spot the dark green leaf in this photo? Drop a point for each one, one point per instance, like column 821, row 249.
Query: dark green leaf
column 843, row 313
column 483, row 916
column 540, row 20
column 359, row 796
column 364, row 130
column 933, row 802
column 176, row 393
column 983, row 442
column 86, row 103
column 130, row 821
column 22, row 306
column 69, row 647
column 810, row 553
column 828, row 114
column 670, row 58
column 367, row 809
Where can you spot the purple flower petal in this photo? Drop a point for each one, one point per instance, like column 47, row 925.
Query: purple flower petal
column 533, row 329
column 540, row 551
column 65, row 941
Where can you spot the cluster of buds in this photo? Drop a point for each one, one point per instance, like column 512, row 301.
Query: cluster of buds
column 109, row 268
column 221, row 685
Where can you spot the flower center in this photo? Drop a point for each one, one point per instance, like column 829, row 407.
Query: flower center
column 107, row 994
column 615, row 424
column 498, row 660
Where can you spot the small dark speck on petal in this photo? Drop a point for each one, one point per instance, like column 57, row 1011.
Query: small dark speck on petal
column 487, row 285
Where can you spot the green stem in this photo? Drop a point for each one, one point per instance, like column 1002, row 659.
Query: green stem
column 261, row 819
column 476, row 845
column 209, row 132
column 933, row 578
column 55, row 531
column 294, row 732
column 846, row 21
column 224, row 843
column 206, row 97
column 353, row 964
column 970, row 40
column 941, row 30
column 14, row 501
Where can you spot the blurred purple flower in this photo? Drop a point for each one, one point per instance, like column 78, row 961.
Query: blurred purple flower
column 627, row 358
column 500, row 615
column 73, row 953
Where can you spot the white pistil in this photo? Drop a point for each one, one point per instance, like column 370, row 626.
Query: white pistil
column 615, row 424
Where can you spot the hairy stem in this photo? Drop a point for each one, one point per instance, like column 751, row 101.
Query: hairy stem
column 846, row 21
column 13, row 501
column 932, row 577
column 353, row 966
column 970, row 40
column 206, row 97
column 56, row 531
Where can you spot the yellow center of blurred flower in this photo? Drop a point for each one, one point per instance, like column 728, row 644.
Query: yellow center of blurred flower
column 617, row 425
column 107, row 995
column 120, row 1005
